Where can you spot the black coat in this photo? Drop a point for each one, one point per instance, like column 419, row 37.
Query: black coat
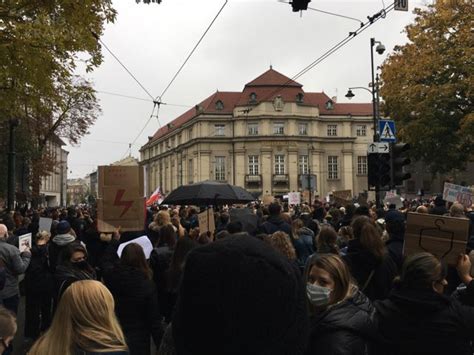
column 275, row 224
column 136, row 306
column 38, row 277
column 362, row 262
column 415, row 322
column 160, row 260
column 344, row 329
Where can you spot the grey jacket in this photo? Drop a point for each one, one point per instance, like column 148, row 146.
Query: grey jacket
column 15, row 264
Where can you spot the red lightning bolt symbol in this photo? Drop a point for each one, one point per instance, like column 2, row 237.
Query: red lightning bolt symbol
column 118, row 202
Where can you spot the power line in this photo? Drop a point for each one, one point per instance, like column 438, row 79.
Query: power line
column 123, row 65
column 190, row 54
column 140, row 98
column 335, row 14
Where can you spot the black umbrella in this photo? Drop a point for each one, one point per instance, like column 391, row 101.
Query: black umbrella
column 208, row 193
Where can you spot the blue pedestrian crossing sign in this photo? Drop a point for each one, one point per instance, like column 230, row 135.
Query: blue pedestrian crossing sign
column 387, row 131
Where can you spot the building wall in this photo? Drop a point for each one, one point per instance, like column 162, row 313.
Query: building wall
column 53, row 186
column 209, row 141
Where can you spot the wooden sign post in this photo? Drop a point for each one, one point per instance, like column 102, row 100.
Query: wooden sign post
column 444, row 237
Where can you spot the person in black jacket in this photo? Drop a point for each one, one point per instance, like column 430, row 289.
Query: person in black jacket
column 395, row 226
column 136, row 303
column 38, row 285
column 341, row 315
column 418, row 318
column 275, row 223
column 368, row 260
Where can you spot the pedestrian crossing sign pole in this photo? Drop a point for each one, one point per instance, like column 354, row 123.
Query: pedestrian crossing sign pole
column 387, row 132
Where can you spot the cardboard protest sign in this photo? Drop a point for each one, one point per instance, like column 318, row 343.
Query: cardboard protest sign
column 142, row 241
column 45, row 224
column 24, row 242
column 121, row 201
column 444, row 237
column 267, row 199
column 206, row 221
column 393, row 199
column 458, row 193
column 342, row 197
column 294, row 198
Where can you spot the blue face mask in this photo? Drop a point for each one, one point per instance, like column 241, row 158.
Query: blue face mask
column 318, row 295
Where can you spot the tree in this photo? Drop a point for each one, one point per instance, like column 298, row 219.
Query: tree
column 427, row 86
column 41, row 44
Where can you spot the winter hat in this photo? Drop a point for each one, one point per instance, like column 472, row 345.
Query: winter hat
column 63, row 227
column 238, row 296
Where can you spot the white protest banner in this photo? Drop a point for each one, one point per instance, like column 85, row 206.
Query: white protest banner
column 142, row 241
column 458, row 193
column 294, row 198
column 45, row 224
column 393, row 199
column 24, row 242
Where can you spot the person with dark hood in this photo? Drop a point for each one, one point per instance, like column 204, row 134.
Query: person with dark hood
column 418, row 318
column 439, row 206
column 64, row 236
column 236, row 228
column 341, row 321
column 72, row 267
column 303, row 241
column 136, row 303
column 395, row 227
column 368, row 260
column 275, row 222
column 238, row 296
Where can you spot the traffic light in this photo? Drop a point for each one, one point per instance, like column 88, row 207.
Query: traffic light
column 379, row 171
column 299, row 5
column 398, row 160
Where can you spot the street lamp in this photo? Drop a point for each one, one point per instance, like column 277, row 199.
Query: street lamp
column 13, row 123
column 374, row 91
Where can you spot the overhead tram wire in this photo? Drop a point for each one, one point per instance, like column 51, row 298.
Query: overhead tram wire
column 338, row 15
column 371, row 20
column 139, row 98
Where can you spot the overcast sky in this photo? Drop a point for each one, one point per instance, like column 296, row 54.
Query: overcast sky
column 249, row 35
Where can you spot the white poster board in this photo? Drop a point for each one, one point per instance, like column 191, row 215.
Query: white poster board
column 24, row 242
column 45, row 224
column 458, row 193
column 294, row 198
column 143, row 241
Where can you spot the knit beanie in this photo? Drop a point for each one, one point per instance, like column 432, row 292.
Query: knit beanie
column 238, row 296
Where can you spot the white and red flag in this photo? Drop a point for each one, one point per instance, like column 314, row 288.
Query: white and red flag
column 155, row 197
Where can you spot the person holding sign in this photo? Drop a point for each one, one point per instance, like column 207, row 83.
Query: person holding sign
column 418, row 318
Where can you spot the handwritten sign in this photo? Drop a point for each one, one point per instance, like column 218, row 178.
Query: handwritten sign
column 458, row 193
column 24, row 242
column 294, row 198
column 142, row 241
column 342, row 197
column 121, row 201
column 444, row 237
column 206, row 221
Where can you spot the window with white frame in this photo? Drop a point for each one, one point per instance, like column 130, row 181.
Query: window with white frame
column 279, row 164
column 303, row 129
column 279, row 128
column 253, row 165
column 219, row 170
column 190, row 171
column 362, row 165
column 252, row 129
column 332, row 168
column 219, row 130
column 303, row 164
column 361, row 130
column 332, row 130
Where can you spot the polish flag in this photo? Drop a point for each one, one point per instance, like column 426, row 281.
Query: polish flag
column 155, row 197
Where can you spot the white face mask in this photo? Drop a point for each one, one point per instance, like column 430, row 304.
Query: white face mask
column 318, row 295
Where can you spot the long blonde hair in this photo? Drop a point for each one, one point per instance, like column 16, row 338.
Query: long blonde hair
column 85, row 320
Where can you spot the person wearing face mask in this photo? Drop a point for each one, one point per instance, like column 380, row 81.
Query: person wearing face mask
column 73, row 267
column 340, row 314
column 7, row 328
column 418, row 318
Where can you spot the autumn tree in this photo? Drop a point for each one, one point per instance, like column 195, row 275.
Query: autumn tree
column 428, row 86
column 41, row 44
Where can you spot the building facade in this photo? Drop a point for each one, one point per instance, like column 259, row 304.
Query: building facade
column 264, row 138
column 53, row 186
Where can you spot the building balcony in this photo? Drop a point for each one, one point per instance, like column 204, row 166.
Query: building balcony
column 280, row 180
column 253, row 181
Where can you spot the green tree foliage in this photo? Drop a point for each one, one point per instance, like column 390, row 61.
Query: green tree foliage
column 428, row 86
column 41, row 44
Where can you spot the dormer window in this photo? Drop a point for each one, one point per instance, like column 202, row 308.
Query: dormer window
column 299, row 98
column 219, row 105
column 253, row 97
column 329, row 105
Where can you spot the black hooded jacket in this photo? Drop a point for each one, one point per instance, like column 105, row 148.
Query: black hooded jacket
column 362, row 262
column 416, row 322
column 344, row 329
column 275, row 224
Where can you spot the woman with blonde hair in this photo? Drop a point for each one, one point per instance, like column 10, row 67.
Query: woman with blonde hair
column 282, row 243
column 340, row 313
column 84, row 323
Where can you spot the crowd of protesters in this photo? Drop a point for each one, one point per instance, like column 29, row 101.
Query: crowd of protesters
column 309, row 279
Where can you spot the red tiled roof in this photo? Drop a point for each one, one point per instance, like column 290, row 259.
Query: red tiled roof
column 273, row 78
column 267, row 86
